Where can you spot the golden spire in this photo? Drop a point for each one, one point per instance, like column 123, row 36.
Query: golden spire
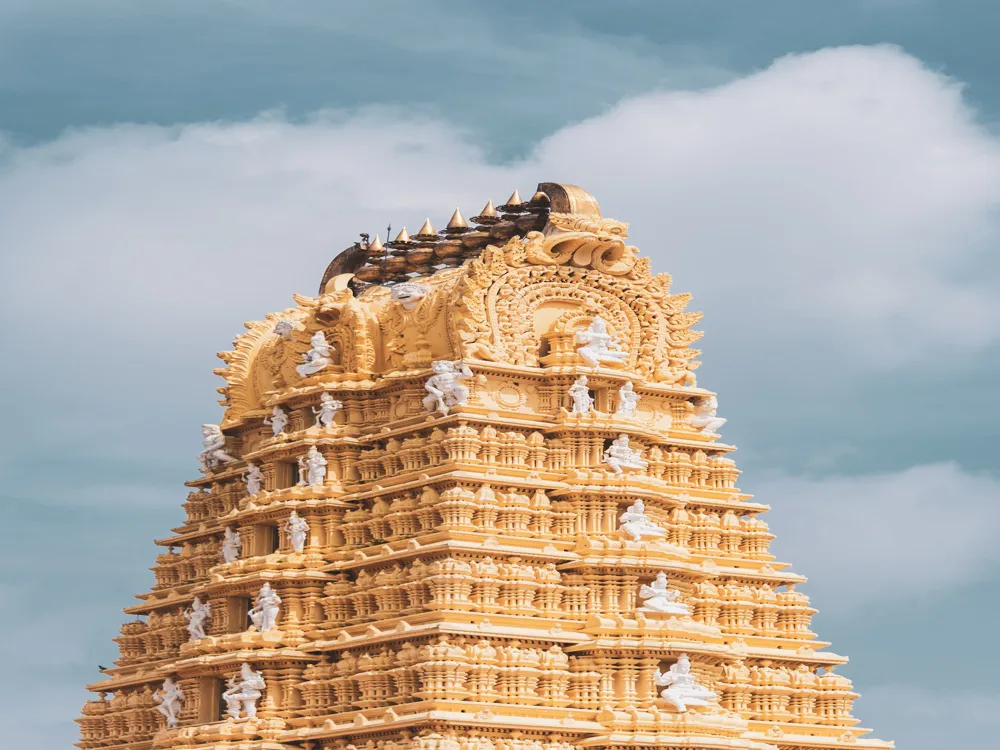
column 402, row 237
column 457, row 221
column 488, row 215
column 427, row 231
column 514, row 200
column 376, row 245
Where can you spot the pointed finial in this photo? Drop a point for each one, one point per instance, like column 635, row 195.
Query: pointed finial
column 426, row 231
column 376, row 245
column 457, row 222
column 488, row 215
column 514, row 200
column 403, row 236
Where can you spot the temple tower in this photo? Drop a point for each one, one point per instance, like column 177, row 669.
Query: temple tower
column 470, row 496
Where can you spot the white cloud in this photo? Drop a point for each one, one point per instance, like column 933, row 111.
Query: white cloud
column 885, row 539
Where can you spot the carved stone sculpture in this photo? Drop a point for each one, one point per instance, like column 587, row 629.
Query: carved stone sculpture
column 656, row 597
column 213, row 444
column 327, row 410
column 636, row 523
column 244, row 690
column 278, row 421
column 444, row 389
column 681, row 689
column 627, row 400
column 312, row 468
column 704, row 418
column 254, row 479
column 231, row 545
column 284, row 329
column 169, row 700
column 264, row 613
column 297, row 530
column 408, row 294
column 582, row 400
column 317, row 358
column 197, row 618
column 598, row 345
column 620, row 456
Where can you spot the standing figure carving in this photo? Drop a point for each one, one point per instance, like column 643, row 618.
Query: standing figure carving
column 231, row 545
column 444, row 387
column 213, row 444
column 681, row 689
column 278, row 421
column 254, row 478
column 297, row 530
column 637, row 524
column 168, row 701
column 704, row 418
column 197, row 619
column 312, row 468
column 327, row 410
column 598, row 345
column 264, row 613
column 619, row 455
column 244, row 690
column 627, row 400
column 317, row 358
column 580, row 393
column 656, row 597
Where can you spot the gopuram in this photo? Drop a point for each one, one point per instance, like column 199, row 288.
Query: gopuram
column 471, row 497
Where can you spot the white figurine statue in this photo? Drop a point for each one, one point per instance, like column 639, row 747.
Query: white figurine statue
column 278, row 420
column 254, row 478
column 264, row 613
column 328, row 408
column 620, row 456
column 284, row 329
column 231, row 545
column 636, row 523
column 312, row 468
column 656, row 597
column 214, row 443
column 317, row 358
column 627, row 400
column 168, row 701
column 197, row 619
column 243, row 692
column 408, row 294
column 704, row 419
column 582, row 400
column 297, row 530
column 444, row 389
column 681, row 689
column 599, row 345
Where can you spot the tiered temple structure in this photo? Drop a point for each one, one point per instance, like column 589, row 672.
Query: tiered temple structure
column 470, row 497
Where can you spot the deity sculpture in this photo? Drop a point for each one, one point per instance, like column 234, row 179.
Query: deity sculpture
column 213, row 442
column 231, row 545
column 620, row 456
column 656, row 597
column 599, row 345
column 197, row 618
column 636, row 523
column 444, row 389
column 582, row 400
column 168, row 701
column 284, row 329
column 312, row 468
column 297, row 530
column 264, row 613
column 328, row 408
column 317, row 358
column 243, row 693
column 681, row 689
column 278, row 420
column 408, row 294
column 627, row 400
column 254, row 478
column 704, row 418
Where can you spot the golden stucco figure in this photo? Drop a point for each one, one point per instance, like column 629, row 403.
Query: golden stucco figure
column 479, row 556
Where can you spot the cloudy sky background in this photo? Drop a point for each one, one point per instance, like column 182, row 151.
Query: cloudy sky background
column 823, row 177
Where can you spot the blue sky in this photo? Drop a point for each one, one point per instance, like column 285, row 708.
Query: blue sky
column 823, row 177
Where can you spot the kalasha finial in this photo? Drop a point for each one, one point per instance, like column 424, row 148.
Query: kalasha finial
column 457, row 223
column 403, row 238
column 539, row 199
column 488, row 215
column 514, row 201
column 375, row 247
column 427, row 231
